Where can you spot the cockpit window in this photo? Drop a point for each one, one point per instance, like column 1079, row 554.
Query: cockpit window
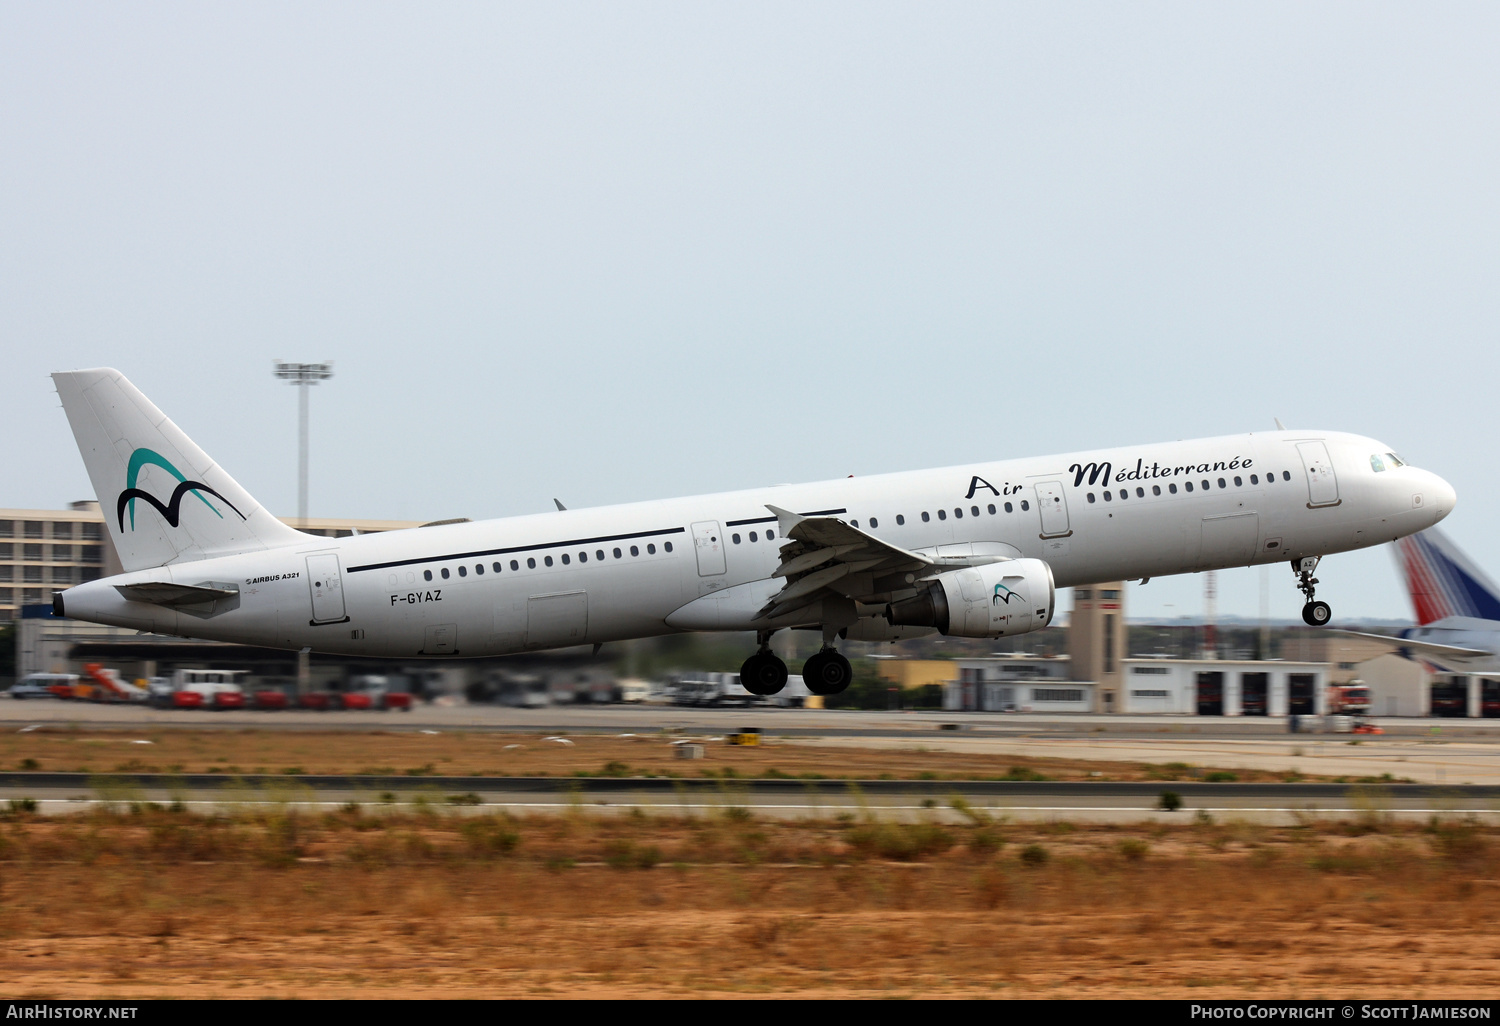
column 1396, row 461
column 1376, row 464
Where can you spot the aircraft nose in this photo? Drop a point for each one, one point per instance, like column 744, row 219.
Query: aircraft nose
column 1439, row 496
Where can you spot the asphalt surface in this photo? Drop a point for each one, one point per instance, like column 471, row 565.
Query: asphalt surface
column 789, row 722
column 1112, row 801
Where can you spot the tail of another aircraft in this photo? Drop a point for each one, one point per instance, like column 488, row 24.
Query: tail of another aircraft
column 1442, row 581
column 163, row 499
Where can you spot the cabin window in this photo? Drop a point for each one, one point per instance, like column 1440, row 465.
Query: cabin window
column 479, row 569
column 1156, row 489
column 1238, row 482
column 1205, row 485
column 1188, row 485
column 599, row 555
column 426, row 575
column 1140, row 493
column 497, row 567
column 1172, row 488
column 667, row 546
column 925, row 517
column 547, row 560
column 1221, row 483
column 900, row 520
column 1106, row 496
column 634, row 551
column 958, row 513
column 1286, row 475
column 854, row 523
column 617, row 553
column 444, row 572
column 1255, row 479
column 516, row 566
column 1124, row 494
column 734, row 538
column 650, row 548
column 754, row 536
column 1091, row 497
column 463, row 571
column 991, row 509
column 531, row 562
column 583, row 557
column 565, row 559
column 770, row 535
column 974, row 511
column 942, row 514
column 1009, row 508
column 1025, row 505
column 874, row 523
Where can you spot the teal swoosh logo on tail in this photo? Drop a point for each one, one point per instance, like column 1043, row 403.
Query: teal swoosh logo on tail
column 147, row 457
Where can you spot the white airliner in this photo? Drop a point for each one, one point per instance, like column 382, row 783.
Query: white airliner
column 973, row 551
column 1457, row 607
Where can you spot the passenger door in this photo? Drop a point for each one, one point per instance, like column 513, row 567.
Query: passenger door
column 327, row 587
column 1054, row 509
column 708, row 541
column 1322, row 485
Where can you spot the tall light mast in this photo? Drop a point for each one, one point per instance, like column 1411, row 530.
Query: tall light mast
column 303, row 375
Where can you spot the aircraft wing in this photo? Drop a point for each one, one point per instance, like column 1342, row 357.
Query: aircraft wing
column 823, row 554
column 1431, row 648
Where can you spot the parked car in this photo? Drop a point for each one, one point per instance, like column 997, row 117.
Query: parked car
column 40, row 685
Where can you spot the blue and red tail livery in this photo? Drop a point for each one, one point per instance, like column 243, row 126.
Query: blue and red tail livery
column 1443, row 582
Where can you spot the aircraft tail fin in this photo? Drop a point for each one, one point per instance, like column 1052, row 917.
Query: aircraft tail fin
column 1444, row 582
column 163, row 499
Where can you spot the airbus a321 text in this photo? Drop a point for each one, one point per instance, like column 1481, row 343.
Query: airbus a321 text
column 973, row 551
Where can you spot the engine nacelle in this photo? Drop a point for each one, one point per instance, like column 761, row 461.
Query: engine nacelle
column 991, row 601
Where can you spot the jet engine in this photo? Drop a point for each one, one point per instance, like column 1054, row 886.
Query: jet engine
column 991, row 601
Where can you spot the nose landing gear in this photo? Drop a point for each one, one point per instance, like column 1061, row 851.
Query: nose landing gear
column 1314, row 614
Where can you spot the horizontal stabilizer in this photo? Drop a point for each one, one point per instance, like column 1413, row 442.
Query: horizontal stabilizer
column 173, row 595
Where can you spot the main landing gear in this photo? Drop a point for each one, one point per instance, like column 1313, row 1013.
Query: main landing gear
column 826, row 673
column 1314, row 614
column 763, row 673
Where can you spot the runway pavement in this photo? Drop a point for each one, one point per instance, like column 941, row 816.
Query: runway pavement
column 59, row 793
column 1443, row 752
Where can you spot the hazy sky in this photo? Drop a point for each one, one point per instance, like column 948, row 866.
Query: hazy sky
column 619, row 251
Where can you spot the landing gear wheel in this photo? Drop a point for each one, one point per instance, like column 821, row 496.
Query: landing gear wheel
column 1316, row 614
column 827, row 673
column 763, row 674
